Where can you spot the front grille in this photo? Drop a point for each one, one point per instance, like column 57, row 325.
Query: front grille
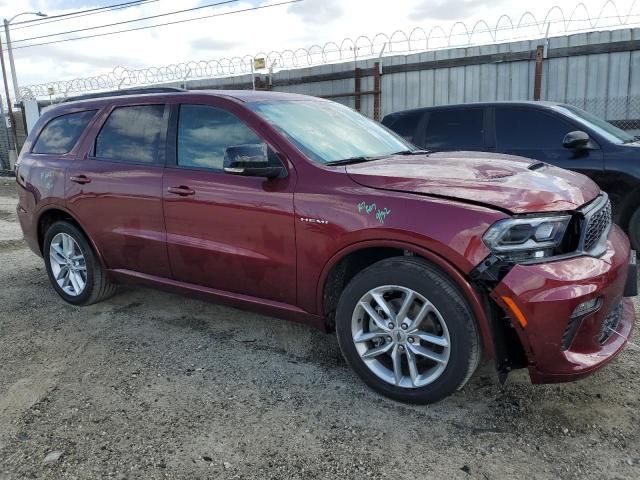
column 610, row 323
column 597, row 224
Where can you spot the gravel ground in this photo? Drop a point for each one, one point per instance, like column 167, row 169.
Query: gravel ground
column 154, row 385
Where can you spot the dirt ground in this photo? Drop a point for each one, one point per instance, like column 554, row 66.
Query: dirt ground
column 154, row 385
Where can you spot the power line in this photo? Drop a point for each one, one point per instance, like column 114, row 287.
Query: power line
column 125, row 21
column 261, row 7
column 81, row 14
column 91, row 11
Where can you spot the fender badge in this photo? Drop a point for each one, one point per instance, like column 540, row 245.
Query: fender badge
column 317, row 221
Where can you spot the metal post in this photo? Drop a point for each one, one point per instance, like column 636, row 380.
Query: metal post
column 537, row 82
column 376, row 91
column 13, row 144
column 358, row 85
column 14, row 77
column 253, row 76
column 184, row 80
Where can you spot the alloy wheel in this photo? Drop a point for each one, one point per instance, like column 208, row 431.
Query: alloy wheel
column 68, row 264
column 400, row 336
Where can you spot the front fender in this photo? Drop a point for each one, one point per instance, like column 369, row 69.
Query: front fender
column 473, row 296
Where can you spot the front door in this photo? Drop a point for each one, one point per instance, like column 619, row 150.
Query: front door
column 115, row 190
column 538, row 134
column 226, row 232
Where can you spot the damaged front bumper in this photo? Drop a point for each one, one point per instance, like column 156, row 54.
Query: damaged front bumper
column 572, row 316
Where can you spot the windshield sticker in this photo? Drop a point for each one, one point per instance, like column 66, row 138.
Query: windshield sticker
column 369, row 208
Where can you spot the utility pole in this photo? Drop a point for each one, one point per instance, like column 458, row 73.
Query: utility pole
column 14, row 76
column 13, row 144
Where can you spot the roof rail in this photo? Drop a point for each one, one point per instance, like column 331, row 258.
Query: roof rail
column 129, row 91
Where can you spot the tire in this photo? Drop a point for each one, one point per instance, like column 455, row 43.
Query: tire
column 97, row 286
column 634, row 230
column 449, row 323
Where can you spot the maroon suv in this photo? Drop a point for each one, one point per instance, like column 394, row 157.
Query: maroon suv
column 303, row 209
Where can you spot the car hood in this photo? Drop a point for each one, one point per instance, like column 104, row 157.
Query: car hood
column 514, row 184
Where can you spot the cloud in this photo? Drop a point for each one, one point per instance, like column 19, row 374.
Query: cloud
column 317, row 11
column 212, row 44
column 76, row 56
column 449, row 9
column 294, row 26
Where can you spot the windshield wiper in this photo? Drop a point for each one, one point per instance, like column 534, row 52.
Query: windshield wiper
column 368, row 158
column 352, row 160
column 412, row 152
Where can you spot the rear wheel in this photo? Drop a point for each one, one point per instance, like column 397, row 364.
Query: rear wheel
column 72, row 266
column 407, row 331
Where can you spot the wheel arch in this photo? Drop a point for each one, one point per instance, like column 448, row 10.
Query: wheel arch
column 352, row 259
column 628, row 207
column 54, row 213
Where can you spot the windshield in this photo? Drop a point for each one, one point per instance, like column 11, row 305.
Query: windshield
column 328, row 132
column 604, row 128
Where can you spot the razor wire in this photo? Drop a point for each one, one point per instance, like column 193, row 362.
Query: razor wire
column 555, row 22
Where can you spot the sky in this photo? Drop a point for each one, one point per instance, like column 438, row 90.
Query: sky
column 293, row 26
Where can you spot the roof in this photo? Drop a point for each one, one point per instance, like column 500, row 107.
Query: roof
column 240, row 95
column 98, row 100
column 511, row 103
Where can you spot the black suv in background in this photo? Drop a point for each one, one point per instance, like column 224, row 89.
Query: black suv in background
column 555, row 133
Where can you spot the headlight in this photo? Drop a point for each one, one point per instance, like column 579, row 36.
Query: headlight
column 527, row 238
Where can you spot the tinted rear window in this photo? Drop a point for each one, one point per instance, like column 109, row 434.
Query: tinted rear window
column 61, row 134
column 455, row 129
column 530, row 129
column 404, row 125
column 133, row 135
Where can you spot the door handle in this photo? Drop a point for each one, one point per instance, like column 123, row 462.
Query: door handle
column 81, row 179
column 181, row 190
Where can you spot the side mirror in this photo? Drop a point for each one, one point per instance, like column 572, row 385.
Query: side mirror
column 576, row 140
column 250, row 160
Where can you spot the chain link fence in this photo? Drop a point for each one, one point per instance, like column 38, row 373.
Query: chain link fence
column 623, row 112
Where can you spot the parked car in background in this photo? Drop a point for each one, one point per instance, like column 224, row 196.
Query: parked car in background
column 302, row 208
column 555, row 133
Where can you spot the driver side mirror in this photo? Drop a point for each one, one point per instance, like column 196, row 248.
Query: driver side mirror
column 251, row 160
column 576, row 140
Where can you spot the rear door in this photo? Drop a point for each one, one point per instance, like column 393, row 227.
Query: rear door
column 44, row 164
column 454, row 129
column 227, row 232
column 115, row 188
column 538, row 134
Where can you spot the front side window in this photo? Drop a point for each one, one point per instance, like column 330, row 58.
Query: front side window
column 455, row 129
column 133, row 135
column 529, row 129
column 61, row 134
column 205, row 133
column 329, row 132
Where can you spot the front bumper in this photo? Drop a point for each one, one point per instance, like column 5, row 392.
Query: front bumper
column 547, row 295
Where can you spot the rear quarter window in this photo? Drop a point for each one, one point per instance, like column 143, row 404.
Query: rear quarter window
column 61, row 133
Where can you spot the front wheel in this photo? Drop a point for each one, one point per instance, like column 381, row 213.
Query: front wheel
column 634, row 230
column 407, row 331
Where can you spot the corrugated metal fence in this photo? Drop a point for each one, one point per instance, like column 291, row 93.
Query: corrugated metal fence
column 598, row 71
